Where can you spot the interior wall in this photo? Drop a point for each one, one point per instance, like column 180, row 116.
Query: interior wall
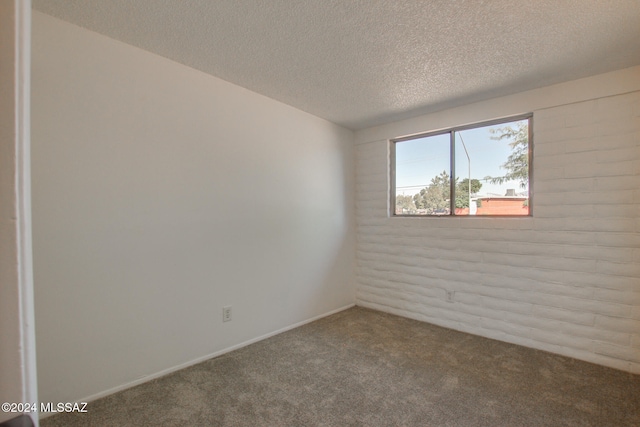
column 566, row 280
column 10, row 357
column 17, row 342
column 162, row 194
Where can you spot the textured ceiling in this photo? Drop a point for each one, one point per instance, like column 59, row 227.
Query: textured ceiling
column 360, row 63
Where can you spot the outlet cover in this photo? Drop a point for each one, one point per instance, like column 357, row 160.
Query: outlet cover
column 450, row 295
column 226, row 313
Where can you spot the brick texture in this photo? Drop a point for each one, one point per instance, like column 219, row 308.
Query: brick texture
column 566, row 280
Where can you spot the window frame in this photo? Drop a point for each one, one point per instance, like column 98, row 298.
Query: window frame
column 452, row 170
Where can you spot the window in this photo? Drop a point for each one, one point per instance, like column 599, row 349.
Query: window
column 481, row 170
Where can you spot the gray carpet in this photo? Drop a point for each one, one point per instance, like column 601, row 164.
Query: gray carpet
column 365, row 368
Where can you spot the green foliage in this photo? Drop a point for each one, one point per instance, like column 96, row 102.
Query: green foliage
column 405, row 204
column 435, row 198
column 463, row 186
column 517, row 164
column 462, row 191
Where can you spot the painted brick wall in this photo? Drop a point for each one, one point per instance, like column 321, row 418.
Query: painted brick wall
column 565, row 281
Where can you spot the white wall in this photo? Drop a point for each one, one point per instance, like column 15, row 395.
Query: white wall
column 162, row 194
column 17, row 334
column 566, row 280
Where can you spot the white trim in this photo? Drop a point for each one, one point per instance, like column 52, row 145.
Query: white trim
column 23, row 198
column 168, row 371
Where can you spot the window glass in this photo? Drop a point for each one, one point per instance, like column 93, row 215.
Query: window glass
column 495, row 159
column 489, row 163
column 422, row 177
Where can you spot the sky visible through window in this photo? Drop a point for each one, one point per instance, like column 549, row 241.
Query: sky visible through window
column 418, row 161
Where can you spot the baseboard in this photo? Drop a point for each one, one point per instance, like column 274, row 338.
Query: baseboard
column 203, row 358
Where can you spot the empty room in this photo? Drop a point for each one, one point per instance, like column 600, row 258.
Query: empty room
column 331, row 213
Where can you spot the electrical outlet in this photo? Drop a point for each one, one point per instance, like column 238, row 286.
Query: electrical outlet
column 226, row 313
column 450, row 295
